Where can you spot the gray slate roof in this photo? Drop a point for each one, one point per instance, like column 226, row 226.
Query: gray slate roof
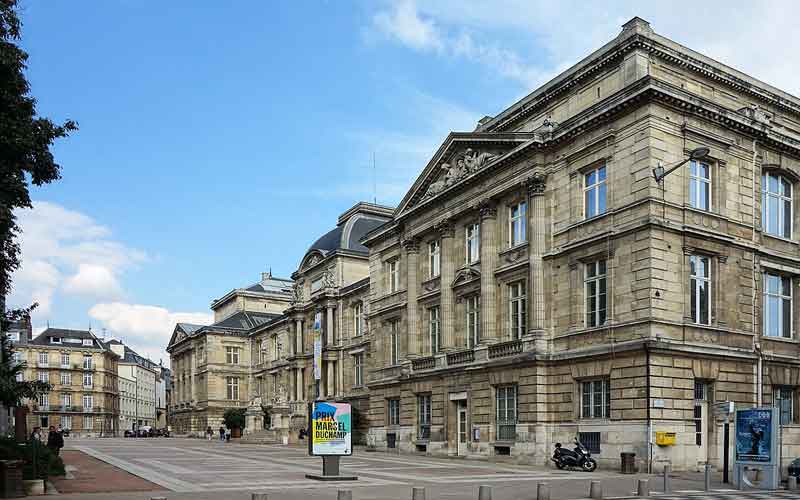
column 65, row 335
column 334, row 239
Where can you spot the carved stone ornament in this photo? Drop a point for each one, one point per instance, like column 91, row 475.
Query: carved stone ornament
column 465, row 166
column 313, row 260
column 411, row 245
column 536, row 183
column 328, row 278
column 297, row 293
column 514, row 256
column 487, row 208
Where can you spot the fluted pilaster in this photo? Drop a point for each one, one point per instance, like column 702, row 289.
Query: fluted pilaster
column 537, row 226
column 488, row 212
column 448, row 267
column 412, row 313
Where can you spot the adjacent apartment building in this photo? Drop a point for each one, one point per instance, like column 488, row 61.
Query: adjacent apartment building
column 537, row 282
column 83, row 373
column 138, row 384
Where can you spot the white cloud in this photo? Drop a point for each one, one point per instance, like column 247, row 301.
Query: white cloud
column 404, row 23
column 64, row 251
column 144, row 328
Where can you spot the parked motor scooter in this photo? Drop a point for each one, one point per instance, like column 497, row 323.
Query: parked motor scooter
column 579, row 457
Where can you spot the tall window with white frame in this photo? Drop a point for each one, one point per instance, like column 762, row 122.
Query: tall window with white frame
column 700, row 289
column 232, row 355
column 87, row 361
column 233, row 388
column 394, row 342
column 358, row 369
column 433, row 329
column 88, row 380
column 393, row 267
column 517, row 303
column 517, row 220
column 596, row 293
column 424, row 416
column 777, row 305
column 43, row 359
column 44, row 401
column 88, row 402
column 506, row 403
column 434, row 258
column 596, row 398
column 472, row 245
column 783, row 398
column 776, row 205
column 473, row 320
column 394, row 412
column 594, row 192
column 358, row 319
column 699, row 185
column 65, row 360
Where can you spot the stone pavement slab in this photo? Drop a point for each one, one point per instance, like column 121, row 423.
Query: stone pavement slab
column 90, row 475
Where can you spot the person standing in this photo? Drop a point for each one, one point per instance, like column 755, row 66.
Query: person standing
column 221, row 434
column 55, row 441
column 209, row 433
column 227, row 435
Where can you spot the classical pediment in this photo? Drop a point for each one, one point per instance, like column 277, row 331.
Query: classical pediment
column 466, row 275
column 461, row 157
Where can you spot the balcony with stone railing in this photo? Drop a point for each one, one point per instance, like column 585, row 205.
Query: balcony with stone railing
column 505, row 349
column 460, row 357
column 427, row 363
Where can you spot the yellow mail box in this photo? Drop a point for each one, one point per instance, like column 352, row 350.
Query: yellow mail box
column 665, row 438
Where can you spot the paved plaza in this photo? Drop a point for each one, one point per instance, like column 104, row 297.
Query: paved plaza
column 197, row 469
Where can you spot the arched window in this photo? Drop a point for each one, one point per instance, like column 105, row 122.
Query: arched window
column 776, row 204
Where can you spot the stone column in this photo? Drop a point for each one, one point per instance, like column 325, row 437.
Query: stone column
column 330, row 379
column 292, row 387
column 536, row 246
column 340, row 375
column 488, row 232
column 448, row 265
column 193, row 364
column 298, row 336
column 300, row 387
column 329, row 328
column 412, row 313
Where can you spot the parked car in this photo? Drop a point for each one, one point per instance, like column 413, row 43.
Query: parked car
column 794, row 468
column 129, row 433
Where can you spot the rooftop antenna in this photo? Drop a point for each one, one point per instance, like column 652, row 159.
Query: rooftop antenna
column 374, row 180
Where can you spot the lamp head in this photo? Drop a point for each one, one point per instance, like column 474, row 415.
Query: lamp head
column 699, row 153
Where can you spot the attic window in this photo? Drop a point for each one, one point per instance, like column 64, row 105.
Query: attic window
column 87, row 342
column 55, row 340
column 316, row 284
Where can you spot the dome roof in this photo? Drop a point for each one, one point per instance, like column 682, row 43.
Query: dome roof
column 347, row 236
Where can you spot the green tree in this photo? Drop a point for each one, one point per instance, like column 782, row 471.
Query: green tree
column 12, row 391
column 25, row 141
column 234, row 418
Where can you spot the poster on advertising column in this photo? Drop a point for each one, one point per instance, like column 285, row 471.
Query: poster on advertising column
column 330, row 429
column 318, row 346
column 756, row 436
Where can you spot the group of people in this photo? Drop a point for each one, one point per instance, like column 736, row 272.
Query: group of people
column 224, row 434
column 55, row 438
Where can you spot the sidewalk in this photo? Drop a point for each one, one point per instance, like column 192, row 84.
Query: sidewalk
column 90, row 475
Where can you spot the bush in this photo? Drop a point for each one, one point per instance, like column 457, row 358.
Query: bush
column 48, row 464
column 234, row 418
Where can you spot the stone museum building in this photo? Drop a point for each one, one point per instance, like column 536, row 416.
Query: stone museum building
column 538, row 282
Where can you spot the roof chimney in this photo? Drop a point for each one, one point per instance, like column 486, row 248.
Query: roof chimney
column 266, row 276
column 637, row 25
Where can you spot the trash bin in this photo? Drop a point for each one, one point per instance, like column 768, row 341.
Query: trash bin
column 627, row 463
column 391, row 440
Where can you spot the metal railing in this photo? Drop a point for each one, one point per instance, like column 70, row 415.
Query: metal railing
column 506, row 431
column 424, row 432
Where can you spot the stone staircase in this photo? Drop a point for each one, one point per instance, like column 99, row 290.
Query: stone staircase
column 264, row 436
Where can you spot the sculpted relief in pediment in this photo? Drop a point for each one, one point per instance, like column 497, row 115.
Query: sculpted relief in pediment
column 460, row 167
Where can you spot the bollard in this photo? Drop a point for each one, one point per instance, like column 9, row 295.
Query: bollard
column 643, row 488
column 666, row 478
column 595, row 490
column 417, row 493
column 485, row 493
column 542, row 491
column 258, row 496
column 708, row 477
column 791, row 483
column 344, row 495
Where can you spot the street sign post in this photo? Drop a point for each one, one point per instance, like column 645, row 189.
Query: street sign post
column 724, row 410
column 330, row 436
column 757, row 433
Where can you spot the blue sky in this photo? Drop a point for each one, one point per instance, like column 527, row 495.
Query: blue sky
column 219, row 139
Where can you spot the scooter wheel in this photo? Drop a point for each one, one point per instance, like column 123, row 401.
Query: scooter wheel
column 589, row 465
column 560, row 464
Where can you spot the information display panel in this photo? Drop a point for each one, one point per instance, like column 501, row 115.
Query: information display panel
column 330, row 429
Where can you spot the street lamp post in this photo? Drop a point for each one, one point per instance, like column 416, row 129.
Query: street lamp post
column 696, row 154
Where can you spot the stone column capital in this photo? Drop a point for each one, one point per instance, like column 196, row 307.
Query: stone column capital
column 411, row 245
column 536, row 183
column 487, row 208
column 445, row 228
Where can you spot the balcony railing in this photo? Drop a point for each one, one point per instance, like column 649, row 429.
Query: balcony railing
column 43, row 364
column 461, row 357
column 506, row 431
column 505, row 349
column 423, row 363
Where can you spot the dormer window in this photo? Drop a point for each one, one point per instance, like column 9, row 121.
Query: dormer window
column 55, row 340
column 88, row 342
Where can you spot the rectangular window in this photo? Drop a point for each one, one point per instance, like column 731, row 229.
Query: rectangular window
column 66, row 422
column 596, row 297
column 44, row 401
column 43, row 359
column 433, row 329
column 55, row 340
column 358, row 325
column 596, row 398
column 394, row 276
column 87, row 362
column 88, row 402
column 87, row 423
column 87, row 379
column 777, row 306
column 434, row 258
column 474, row 320
column 16, row 357
column 517, row 230
column 700, row 399
column 316, row 284
column 232, row 355
column 700, row 289
column 699, row 186
column 517, row 309
column 473, row 243
column 66, row 378
column 233, row 388
column 394, row 343
column 66, row 400
column 594, row 192
column 784, row 401
column 424, row 416
column 358, row 367
column 591, row 440
column 43, row 377
column 88, row 343
column 394, row 411
column 64, row 360
column 506, row 413
column 276, row 347
column 776, row 205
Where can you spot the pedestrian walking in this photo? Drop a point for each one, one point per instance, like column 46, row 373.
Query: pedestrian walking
column 221, row 434
column 36, row 435
column 55, row 441
column 227, row 435
column 209, row 433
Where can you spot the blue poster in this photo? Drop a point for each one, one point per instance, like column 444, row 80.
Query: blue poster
column 754, row 435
